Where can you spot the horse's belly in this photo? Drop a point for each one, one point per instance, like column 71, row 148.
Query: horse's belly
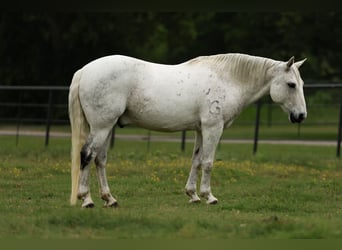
column 168, row 119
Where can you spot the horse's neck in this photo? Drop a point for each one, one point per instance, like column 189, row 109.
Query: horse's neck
column 244, row 69
column 255, row 93
column 251, row 74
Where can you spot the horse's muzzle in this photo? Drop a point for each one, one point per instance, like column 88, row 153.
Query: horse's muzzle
column 297, row 118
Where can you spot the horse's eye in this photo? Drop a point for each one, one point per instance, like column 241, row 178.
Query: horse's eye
column 292, row 85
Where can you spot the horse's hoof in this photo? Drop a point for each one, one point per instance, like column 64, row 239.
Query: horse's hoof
column 114, row 204
column 194, row 201
column 194, row 197
column 212, row 202
column 89, row 205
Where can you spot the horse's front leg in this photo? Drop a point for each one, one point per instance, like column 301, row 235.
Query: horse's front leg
column 211, row 138
column 190, row 188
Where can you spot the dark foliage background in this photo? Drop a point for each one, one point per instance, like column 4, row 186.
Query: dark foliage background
column 46, row 48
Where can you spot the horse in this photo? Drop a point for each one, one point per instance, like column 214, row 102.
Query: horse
column 204, row 94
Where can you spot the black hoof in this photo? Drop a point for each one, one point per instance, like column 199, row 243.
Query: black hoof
column 90, row 205
column 194, row 201
column 115, row 204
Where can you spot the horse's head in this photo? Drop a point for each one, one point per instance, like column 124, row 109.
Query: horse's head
column 287, row 89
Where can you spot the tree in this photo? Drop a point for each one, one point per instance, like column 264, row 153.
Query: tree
column 47, row 48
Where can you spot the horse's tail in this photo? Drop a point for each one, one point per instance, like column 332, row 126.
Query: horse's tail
column 79, row 131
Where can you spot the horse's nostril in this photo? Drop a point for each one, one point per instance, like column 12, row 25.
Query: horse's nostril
column 298, row 118
column 301, row 116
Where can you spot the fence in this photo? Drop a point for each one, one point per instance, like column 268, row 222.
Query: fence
column 17, row 106
column 46, row 116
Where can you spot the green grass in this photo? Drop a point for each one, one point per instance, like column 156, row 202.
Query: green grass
column 282, row 192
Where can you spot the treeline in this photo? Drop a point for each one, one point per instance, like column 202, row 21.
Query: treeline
column 46, row 48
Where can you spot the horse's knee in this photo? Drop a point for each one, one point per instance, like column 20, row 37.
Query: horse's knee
column 207, row 166
column 86, row 156
column 101, row 159
column 196, row 163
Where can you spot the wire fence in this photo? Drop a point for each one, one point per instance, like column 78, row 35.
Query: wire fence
column 48, row 106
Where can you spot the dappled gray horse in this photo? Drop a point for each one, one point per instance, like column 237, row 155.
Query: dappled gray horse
column 204, row 94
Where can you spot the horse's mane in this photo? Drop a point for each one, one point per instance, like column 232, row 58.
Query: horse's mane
column 242, row 67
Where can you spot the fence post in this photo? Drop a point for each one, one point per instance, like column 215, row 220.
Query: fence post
column 148, row 140
column 269, row 113
column 48, row 119
column 256, row 131
column 112, row 138
column 298, row 130
column 18, row 119
column 338, row 150
column 183, row 140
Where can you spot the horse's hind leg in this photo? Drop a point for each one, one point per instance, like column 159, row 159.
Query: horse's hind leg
column 83, row 188
column 95, row 142
column 100, row 161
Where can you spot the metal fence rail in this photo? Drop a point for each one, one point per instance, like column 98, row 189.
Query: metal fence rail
column 50, row 106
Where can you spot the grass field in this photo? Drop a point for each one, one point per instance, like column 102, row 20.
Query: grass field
column 282, row 192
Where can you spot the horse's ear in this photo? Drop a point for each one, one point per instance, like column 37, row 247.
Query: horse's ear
column 299, row 63
column 290, row 62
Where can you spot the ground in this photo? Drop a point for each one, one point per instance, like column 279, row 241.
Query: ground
column 284, row 191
